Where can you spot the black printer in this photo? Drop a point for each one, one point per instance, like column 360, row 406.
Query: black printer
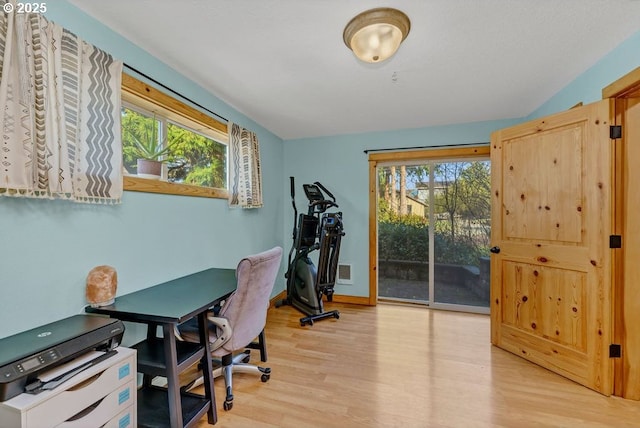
column 24, row 355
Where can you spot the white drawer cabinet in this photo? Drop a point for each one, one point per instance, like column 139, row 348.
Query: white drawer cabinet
column 125, row 419
column 104, row 394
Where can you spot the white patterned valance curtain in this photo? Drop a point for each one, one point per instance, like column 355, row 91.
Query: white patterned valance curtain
column 245, row 176
column 61, row 113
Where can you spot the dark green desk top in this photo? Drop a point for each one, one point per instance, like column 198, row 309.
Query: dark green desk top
column 173, row 301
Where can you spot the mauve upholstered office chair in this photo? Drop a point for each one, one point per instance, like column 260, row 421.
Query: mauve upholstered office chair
column 241, row 320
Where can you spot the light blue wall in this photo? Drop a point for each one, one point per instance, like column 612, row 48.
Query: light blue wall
column 341, row 165
column 48, row 247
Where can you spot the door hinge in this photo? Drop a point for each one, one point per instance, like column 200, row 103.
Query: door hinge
column 615, row 351
column 615, row 131
column 615, row 241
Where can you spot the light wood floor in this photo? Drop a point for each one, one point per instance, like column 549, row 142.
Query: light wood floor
column 398, row 366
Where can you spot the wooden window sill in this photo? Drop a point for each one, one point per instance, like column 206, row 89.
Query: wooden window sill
column 138, row 184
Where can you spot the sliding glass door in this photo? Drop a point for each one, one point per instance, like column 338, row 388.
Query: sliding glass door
column 433, row 229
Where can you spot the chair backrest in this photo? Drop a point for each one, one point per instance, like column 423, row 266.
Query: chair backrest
column 246, row 308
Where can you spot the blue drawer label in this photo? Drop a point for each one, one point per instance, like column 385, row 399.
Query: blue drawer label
column 123, row 396
column 124, row 371
column 124, row 421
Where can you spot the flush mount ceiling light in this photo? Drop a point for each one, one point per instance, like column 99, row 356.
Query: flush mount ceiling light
column 375, row 35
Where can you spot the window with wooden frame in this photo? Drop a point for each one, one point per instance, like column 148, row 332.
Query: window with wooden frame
column 191, row 145
column 452, row 207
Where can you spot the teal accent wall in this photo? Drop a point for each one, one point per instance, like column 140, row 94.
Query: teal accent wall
column 48, row 247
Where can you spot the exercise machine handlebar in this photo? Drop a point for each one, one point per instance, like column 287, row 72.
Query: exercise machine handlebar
column 333, row 198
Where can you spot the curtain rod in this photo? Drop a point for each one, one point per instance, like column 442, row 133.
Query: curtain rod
column 425, row 147
column 135, row 70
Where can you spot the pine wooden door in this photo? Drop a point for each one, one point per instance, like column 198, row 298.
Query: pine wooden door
column 552, row 214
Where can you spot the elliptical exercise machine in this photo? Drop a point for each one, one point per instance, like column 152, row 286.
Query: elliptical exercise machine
column 316, row 230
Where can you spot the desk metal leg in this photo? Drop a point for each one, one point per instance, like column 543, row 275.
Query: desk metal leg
column 207, row 368
column 173, row 383
column 152, row 334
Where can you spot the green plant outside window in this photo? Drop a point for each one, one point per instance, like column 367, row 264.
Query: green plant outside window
column 191, row 158
column 195, row 159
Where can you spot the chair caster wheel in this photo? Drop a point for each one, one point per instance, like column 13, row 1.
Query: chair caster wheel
column 265, row 377
column 336, row 315
column 227, row 405
column 246, row 359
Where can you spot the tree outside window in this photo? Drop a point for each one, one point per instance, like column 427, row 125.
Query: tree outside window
column 192, row 157
column 195, row 159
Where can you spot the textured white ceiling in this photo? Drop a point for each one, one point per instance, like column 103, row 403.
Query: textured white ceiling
column 283, row 62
